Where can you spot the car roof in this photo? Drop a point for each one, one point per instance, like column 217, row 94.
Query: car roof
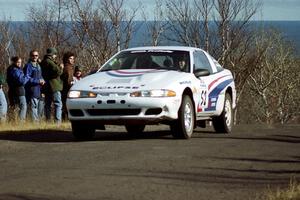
column 173, row 48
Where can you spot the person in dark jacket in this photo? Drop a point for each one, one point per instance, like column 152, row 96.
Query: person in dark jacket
column 16, row 81
column 51, row 72
column 33, row 70
column 67, row 78
column 3, row 102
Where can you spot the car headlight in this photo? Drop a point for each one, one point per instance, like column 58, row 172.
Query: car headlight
column 154, row 93
column 81, row 94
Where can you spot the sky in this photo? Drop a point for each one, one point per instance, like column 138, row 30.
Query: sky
column 271, row 9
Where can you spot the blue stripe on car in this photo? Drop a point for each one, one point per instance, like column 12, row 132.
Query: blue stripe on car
column 215, row 94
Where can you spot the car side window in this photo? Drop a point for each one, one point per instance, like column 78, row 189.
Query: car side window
column 201, row 61
column 218, row 66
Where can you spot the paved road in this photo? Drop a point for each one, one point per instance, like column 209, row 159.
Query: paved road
column 50, row 165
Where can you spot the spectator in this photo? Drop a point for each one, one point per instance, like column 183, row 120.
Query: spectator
column 3, row 102
column 33, row 90
column 67, row 78
column 16, row 81
column 77, row 74
column 51, row 73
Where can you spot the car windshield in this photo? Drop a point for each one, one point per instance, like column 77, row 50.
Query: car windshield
column 150, row 59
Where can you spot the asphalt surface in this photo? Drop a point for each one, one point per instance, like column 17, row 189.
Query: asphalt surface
column 50, row 165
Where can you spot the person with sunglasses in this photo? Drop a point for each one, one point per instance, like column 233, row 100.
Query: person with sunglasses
column 32, row 69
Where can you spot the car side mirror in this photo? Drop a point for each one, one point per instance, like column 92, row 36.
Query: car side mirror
column 201, row 72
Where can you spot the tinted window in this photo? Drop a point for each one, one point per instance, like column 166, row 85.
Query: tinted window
column 156, row 59
column 201, row 61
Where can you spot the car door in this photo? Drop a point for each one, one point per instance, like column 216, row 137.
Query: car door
column 207, row 103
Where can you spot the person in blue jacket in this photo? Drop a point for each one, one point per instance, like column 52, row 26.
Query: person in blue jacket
column 16, row 81
column 3, row 103
column 32, row 69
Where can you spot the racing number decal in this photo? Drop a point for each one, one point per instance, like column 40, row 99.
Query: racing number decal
column 203, row 100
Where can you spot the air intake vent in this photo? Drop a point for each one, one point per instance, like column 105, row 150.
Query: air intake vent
column 114, row 112
column 153, row 111
column 76, row 112
column 111, row 101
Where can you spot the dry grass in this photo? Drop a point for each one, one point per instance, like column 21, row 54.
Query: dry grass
column 290, row 193
column 4, row 127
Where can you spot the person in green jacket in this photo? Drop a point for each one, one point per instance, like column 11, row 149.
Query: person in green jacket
column 3, row 102
column 51, row 72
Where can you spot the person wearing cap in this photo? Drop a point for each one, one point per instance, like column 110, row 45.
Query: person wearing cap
column 67, row 78
column 33, row 90
column 3, row 102
column 51, row 72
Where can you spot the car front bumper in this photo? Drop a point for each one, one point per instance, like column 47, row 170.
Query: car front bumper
column 120, row 110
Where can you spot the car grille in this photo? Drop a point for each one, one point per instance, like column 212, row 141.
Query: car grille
column 109, row 112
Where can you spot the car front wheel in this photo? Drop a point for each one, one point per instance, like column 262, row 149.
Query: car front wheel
column 224, row 122
column 183, row 127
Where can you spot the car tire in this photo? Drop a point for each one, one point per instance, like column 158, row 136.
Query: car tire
column 224, row 122
column 135, row 129
column 183, row 127
column 81, row 132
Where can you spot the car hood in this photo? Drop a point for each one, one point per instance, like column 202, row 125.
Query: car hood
column 130, row 80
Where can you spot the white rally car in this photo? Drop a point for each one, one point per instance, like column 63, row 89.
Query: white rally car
column 179, row 86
